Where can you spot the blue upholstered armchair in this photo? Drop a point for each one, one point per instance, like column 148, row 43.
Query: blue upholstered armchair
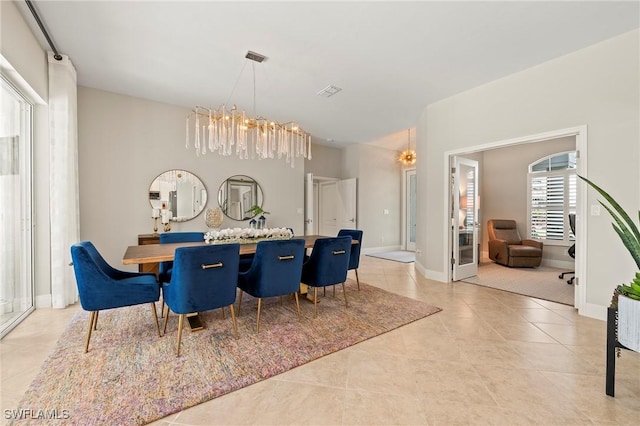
column 275, row 271
column 327, row 266
column 101, row 286
column 354, row 257
column 203, row 278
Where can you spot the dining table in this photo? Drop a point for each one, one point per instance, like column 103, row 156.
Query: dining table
column 154, row 253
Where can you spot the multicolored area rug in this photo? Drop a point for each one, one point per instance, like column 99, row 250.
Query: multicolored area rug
column 132, row 376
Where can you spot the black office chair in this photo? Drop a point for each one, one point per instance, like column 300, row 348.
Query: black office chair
column 572, row 249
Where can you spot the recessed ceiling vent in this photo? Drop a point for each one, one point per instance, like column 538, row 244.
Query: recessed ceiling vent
column 329, row 91
column 255, row 56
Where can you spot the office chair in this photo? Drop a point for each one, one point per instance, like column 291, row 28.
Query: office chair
column 572, row 249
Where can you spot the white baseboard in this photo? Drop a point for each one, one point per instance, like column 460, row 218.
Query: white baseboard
column 371, row 250
column 592, row 310
column 560, row 264
column 43, row 301
column 431, row 274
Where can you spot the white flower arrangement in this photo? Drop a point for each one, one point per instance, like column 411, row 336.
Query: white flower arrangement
column 246, row 235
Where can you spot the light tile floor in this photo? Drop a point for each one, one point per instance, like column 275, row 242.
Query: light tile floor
column 489, row 357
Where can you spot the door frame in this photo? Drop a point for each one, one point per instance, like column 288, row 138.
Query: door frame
column 460, row 272
column 404, row 218
column 580, row 134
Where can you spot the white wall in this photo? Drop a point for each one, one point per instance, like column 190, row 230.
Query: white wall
column 21, row 49
column 125, row 142
column 599, row 87
column 504, row 189
column 379, row 177
column 325, row 161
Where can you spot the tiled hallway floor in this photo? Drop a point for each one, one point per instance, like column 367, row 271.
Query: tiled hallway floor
column 489, row 357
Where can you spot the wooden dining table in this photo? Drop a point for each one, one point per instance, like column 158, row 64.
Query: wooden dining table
column 154, row 253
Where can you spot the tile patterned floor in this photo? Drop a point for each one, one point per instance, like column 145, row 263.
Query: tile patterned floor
column 489, row 357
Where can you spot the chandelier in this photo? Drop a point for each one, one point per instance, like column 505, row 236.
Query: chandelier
column 230, row 130
column 408, row 157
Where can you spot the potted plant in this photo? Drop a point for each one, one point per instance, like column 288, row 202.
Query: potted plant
column 257, row 210
column 626, row 297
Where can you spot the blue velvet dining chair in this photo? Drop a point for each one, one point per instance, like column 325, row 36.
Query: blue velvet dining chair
column 203, row 278
column 354, row 257
column 275, row 271
column 327, row 266
column 100, row 286
column 165, row 268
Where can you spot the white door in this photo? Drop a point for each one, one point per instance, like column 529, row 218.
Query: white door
column 464, row 218
column 308, row 204
column 410, row 209
column 346, row 191
column 328, row 209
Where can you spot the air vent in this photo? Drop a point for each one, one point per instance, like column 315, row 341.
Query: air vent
column 255, row 56
column 329, row 91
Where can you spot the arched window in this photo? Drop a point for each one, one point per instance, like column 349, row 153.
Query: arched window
column 552, row 196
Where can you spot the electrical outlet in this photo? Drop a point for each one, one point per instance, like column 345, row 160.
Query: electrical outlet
column 595, row 210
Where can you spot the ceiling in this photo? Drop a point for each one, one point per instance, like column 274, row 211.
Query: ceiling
column 390, row 58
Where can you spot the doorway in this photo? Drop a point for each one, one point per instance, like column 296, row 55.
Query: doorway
column 330, row 205
column 410, row 209
column 579, row 137
column 16, row 282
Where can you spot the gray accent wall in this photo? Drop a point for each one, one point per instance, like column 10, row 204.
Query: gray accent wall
column 504, row 189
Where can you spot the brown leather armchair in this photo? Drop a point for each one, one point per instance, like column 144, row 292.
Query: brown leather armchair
column 507, row 248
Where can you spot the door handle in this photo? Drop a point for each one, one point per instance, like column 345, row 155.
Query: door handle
column 353, row 219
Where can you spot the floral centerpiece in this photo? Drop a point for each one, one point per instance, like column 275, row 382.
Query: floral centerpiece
column 246, row 235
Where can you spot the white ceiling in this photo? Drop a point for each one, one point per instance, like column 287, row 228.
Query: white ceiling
column 390, row 58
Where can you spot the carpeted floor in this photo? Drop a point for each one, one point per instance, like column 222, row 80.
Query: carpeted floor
column 397, row 256
column 131, row 376
column 541, row 282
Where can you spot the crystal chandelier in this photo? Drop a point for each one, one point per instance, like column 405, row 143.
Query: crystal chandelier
column 408, row 157
column 229, row 130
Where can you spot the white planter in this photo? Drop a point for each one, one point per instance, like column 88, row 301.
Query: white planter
column 629, row 322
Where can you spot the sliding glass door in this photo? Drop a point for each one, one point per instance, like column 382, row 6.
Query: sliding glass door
column 16, row 284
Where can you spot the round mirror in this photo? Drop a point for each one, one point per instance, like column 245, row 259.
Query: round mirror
column 180, row 192
column 237, row 195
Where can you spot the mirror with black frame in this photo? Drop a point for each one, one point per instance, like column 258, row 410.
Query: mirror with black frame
column 180, row 192
column 237, row 195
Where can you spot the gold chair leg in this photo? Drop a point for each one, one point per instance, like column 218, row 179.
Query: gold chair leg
column 233, row 317
column 155, row 317
column 180, row 325
column 95, row 321
column 344, row 291
column 240, row 302
column 92, row 317
column 166, row 319
column 315, row 302
column 222, row 312
column 297, row 304
column 357, row 280
column 258, row 317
